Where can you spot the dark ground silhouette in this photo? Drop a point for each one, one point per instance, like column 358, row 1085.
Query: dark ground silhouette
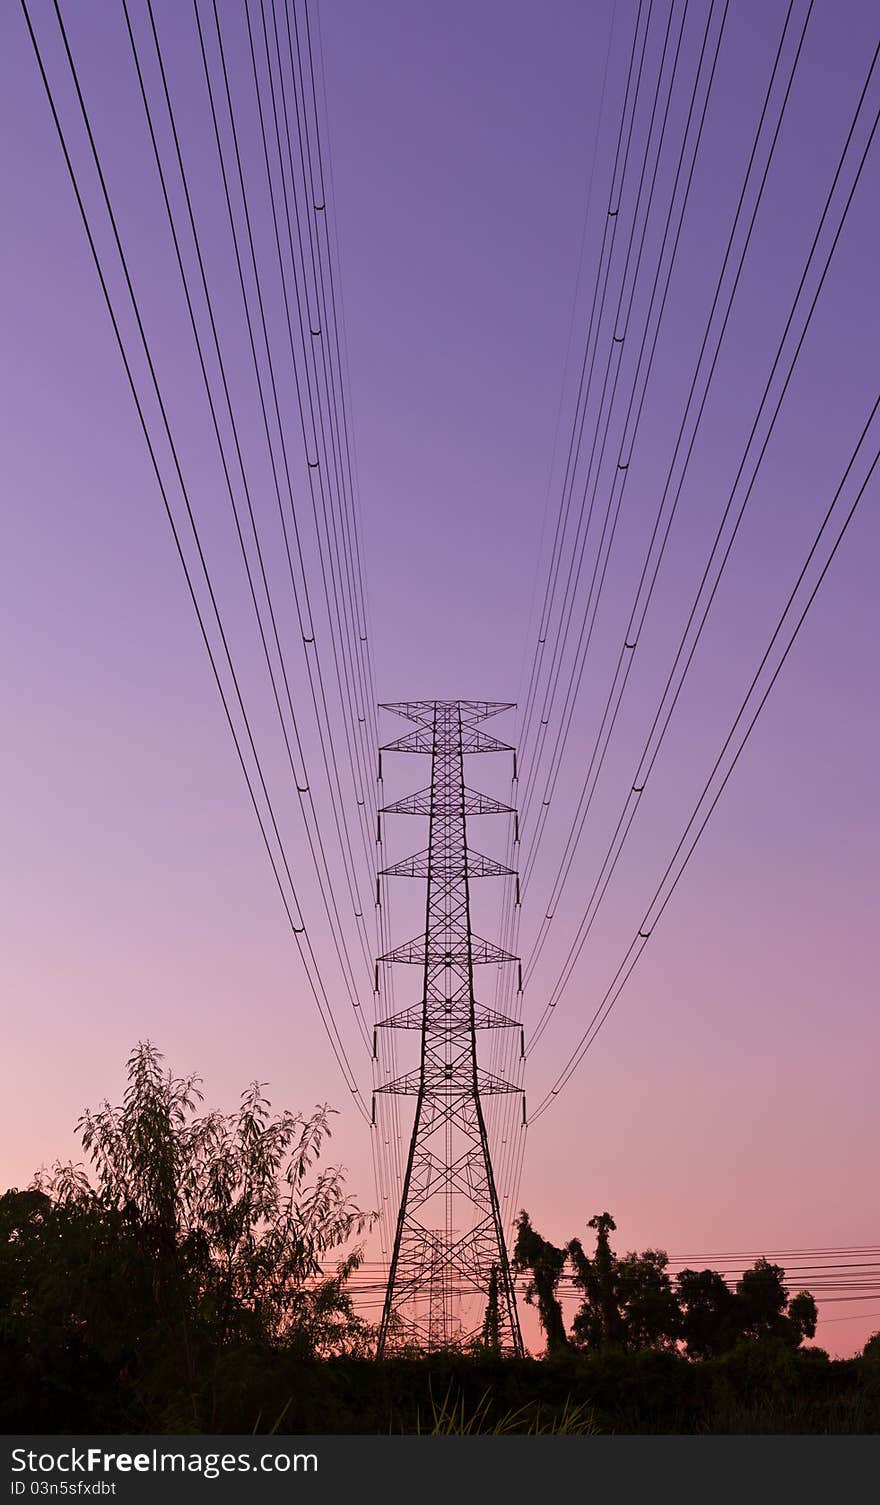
column 186, row 1289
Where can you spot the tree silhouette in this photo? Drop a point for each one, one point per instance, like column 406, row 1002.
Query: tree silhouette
column 598, row 1322
column 715, row 1319
column 628, row 1302
column 765, row 1310
column 803, row 1316
column 491, row 1334
column 710, row 1322
column 762, row 1299
column 546, row 1263
column 651, row 1314
column 203, row 1233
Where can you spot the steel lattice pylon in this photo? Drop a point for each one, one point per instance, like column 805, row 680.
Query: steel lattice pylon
column 449, row 1237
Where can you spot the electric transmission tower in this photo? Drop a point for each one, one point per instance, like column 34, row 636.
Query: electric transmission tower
column 449, row 1260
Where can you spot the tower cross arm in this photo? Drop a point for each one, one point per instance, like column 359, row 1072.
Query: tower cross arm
column 470, row 711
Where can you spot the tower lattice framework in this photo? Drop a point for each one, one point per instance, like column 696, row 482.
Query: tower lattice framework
column 449, row 1263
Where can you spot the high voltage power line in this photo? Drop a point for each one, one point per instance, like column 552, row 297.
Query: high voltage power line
column 328, row 445
column 644, row 768
column 508, row 1131
column 565, row 867
column 278, row 857
column 622, row 470
column 842, row 1276
column 623, row 466
column 302, row 785
column 619, row 321
column 660, row 899
column 612, row 218
column 629, row 435
column 670, row 70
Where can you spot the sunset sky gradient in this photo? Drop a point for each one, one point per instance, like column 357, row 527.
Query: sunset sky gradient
column 730, row 1102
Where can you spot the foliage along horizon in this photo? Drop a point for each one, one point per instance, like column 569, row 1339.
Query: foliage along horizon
column 148, row 1298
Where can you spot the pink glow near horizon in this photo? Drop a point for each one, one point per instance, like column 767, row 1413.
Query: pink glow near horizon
column 729, row 1102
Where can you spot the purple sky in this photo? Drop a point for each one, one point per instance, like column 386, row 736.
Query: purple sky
column 729, row 1103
